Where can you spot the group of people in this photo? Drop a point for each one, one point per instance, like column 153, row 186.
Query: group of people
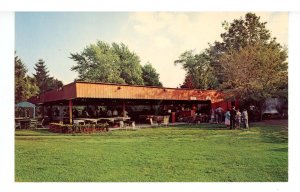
column 98, row 112
column 234, row 119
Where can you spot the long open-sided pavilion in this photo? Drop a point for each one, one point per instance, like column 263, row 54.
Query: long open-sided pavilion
column 81, row 93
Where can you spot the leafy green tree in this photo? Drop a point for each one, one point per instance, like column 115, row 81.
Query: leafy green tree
column 256, row 71
column 54, row 83
column 238, row 34
column 98, row 62
column 115, row 63
column 25, row 86
column 249, row 61
column 242, row 32
column 200, row 73
column 188, row 83
column 31, row 87
column 129, row 63
column 20, row 74
column 150, row 76
column 109, row 64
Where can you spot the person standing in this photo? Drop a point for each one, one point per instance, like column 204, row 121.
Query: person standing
column 115, row 113
column 232, row 117
column 219, row 114
column 212, row 118
column 238, row 119
column 109, row 113
column 245, row 119
column 227, row 118
column 251, row 112
column 75, row 113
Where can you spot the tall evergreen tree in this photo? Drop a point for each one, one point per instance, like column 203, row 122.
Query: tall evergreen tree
column 43, row 79
column 41, row 75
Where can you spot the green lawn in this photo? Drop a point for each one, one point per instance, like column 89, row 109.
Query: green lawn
column 184, row 153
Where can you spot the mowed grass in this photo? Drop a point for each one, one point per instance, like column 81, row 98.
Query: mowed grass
column 201, row 153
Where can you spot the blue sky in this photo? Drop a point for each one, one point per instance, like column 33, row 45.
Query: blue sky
column 53, row 36
column 157, row 37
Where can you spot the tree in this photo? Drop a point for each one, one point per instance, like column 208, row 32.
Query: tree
column 250, row 60
column 242, row 32
column 199, row 71
column 131, row 69
column 113, row 63
column 41, row 75
column 54, row 83
column 188, row 83
column 150, row 76
column 20, row 73
column 31, row 87
column 256, row 71
column 239, row 34
column 43, row 79
column 98, row 62
column 25, row 86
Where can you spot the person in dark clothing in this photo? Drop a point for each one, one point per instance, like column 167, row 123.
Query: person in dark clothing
column 232, row 117
column 49, row 114
column 56, row 112
column 75, row 113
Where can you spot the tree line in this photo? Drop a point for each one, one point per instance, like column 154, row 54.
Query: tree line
column 98, row 62
column 115, row 63
column 27, row 86
column 248, row 60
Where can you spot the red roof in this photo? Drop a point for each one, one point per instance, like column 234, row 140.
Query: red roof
column 121, row 91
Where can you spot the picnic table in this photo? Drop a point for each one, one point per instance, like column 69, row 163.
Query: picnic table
column 24, row 122
column 103, row 119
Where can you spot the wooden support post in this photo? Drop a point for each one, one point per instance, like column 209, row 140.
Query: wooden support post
column 124, row 108
column 70, row 111
column 61, row 114
column 43, row 111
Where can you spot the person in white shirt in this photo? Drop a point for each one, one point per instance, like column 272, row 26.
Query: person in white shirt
column 109, row 113
column 115, row 113
column 245, row 119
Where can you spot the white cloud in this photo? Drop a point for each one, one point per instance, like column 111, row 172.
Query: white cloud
column 160, row 37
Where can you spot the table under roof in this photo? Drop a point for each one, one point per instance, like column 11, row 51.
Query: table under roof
column 93, row 93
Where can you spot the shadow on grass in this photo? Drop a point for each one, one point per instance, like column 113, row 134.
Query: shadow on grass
column 273, row 135
column 203, row 126
column 33, row 132
column 285, row 149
